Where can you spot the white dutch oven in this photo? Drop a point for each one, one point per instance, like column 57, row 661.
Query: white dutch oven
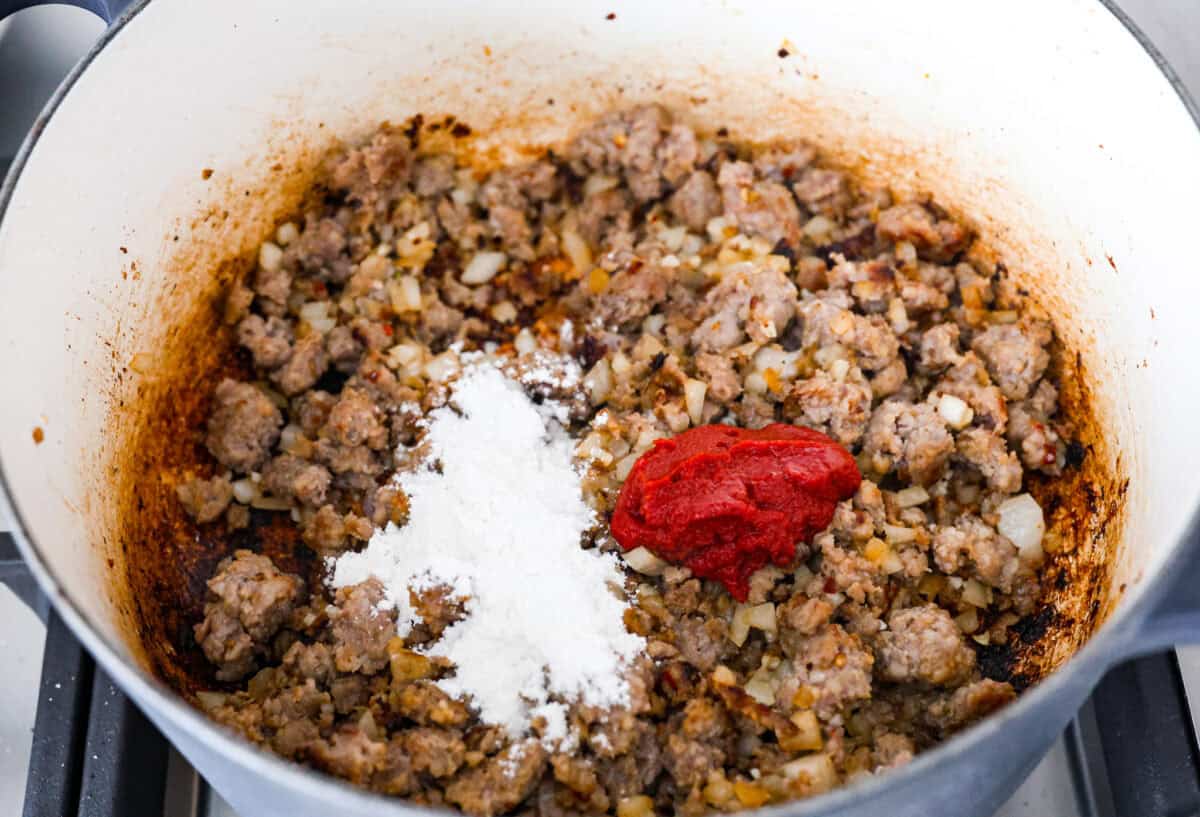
column 1047, row 123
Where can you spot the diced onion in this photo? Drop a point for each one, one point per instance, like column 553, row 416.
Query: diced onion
column 955, row 411
column 505, row 312
column 525, row 342
column 483, row 267
column 897, row 316
column 747, row 616
column 672, row 237
column 404, row 356
column 976, row 594
column 653, row 325
column 598, row 382
column 676, row 418
column 286, row 234
column 898, row 535
column 211, row 700
column 819, row 228
column 293, row 441
column 405, row 294
column 717, row 229
column 442, row 367
column 878, row 552
column 826, row 355
column 693, row 394
column 625, row 466
column 718, row 790
column 647, row 438
column 270, row 256
column 930, row 585
column 773, row 357
column 751, row 795
column 643, row 561
column 842, row 323
column 912, row 496
column 807, row 737
column 760, row 688
column 577, row 250
column 906, row 253
column 597, row 183
column 244, row 490
column 692, row 244
column 762, row 617
column 316, row 315
column 968, row 622
column 739, row 626
column 593, row 448
column 723, row 676
column 415, row 247
column 621, row 366
column 647, row 347
column 816, row 770
column 1022, row 523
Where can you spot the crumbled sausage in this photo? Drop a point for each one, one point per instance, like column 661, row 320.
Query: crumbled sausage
column 243, row 426
column 759, row 207
column 1031, row 433
column 292, row 478
column 935, row 239
column 269, row 341
column 724, row 384
column 911, row 440
column 839, row 409
column 939, row 347
column 248, row 601
column 360, row 629
column 923, row 644
column 759, row 303
column 1016, row 356
column 975, row 548
column 205, row 499
column 697, row 201
column 988, row 452
column 304, row 368
column 500, row 783
column 652, row 254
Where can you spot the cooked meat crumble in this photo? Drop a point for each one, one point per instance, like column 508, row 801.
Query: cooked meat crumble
column 696, row 281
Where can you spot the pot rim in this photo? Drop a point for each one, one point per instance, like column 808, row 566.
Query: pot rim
column 1111, row 644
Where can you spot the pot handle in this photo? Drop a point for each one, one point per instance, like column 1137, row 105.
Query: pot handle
column 106, row 10
column 17, row 578
column 14, row 574
column 1175, row 618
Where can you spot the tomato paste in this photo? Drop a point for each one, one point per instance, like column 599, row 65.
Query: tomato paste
column 726, row 501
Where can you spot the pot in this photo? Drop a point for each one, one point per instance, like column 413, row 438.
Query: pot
column 172, row 149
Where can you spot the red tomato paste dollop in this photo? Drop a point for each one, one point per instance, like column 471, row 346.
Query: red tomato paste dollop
column 726, row 501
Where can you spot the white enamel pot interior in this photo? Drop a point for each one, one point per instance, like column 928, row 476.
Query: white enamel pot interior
column 1048, row 125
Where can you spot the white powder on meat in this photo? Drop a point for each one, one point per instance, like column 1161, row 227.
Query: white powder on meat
column 496, row 513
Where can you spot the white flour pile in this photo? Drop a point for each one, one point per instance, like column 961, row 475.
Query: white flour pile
column 497, row 514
